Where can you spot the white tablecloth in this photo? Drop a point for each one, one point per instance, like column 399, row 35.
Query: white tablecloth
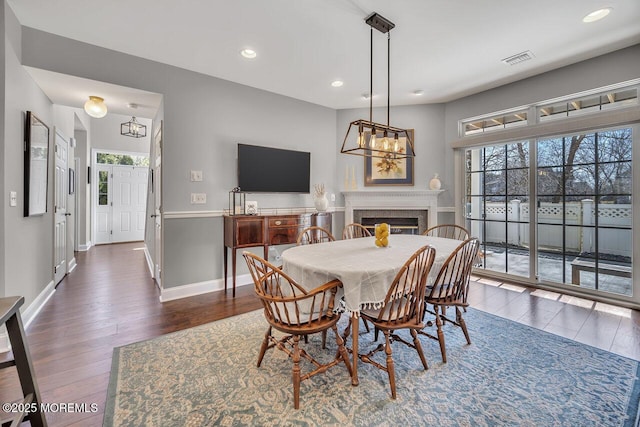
column 365, row 270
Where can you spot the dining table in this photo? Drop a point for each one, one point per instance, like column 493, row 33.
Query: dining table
column 365, row 270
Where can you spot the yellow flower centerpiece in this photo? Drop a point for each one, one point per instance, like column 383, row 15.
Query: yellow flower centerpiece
column 382, row 235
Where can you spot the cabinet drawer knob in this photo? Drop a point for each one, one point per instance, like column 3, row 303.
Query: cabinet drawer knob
column 278, row 222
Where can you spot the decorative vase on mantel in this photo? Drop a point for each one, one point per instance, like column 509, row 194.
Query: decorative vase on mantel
column 320, row 200
column 435, row 183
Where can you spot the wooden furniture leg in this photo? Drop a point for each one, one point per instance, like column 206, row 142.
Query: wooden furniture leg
column 10, row 316
column 354, row 345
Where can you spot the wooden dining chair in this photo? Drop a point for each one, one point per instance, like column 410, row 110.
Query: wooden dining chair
column 450, row 289
column 313, row 235
column 296, row 312
column 355, row 231
column 448, row 231
column 403, row 308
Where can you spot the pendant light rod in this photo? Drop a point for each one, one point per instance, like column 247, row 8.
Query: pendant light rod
column 388, row 74
column 371, row 77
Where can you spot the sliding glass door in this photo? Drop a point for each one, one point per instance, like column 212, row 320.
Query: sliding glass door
column 585, row 211
column 578, row 230
column 497, row 205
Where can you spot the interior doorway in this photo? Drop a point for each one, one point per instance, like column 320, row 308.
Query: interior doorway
column 120, row 196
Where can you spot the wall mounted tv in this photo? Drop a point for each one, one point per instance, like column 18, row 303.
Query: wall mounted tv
column 272, row 170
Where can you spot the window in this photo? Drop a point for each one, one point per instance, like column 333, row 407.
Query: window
column 588, row 104
column 494, row 123
column 103, row 188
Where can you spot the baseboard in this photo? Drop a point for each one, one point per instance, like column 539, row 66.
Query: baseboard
column 28, row 314
column 86, row 247
column 72, row 265
column 147, row 256
column 200, row 288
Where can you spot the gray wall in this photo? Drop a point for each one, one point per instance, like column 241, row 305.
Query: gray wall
column 615, row 67
column 204, row 119
column 426, row 120
column 105, row 134
column 5, row 197
column 28, row 255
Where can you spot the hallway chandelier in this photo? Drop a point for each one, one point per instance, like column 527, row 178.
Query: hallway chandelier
column 372, row 139
column 133, row 129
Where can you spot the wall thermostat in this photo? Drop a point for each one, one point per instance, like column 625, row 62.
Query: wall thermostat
column 251, row 207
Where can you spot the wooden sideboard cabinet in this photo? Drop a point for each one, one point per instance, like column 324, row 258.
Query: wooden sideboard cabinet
column 246, row 231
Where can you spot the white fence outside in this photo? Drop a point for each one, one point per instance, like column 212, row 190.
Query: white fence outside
column 579, row 231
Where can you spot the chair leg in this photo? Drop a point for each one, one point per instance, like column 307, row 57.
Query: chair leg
column 390, row 366
column 416, row 343
column 443, row 350
column 296, row 372
column 324, row 339
column 463, row 325
column 342, row 351
column 264, row 346
column 366, row 325
column 347, row 331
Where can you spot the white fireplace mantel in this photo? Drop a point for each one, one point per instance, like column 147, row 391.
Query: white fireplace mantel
column 392, row 199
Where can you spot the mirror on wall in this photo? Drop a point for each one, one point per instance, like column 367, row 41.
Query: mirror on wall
column 36, row 165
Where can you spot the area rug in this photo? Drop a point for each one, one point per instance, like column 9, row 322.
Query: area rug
column 511, row 374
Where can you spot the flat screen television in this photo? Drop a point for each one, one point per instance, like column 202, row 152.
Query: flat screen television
column 273, row 170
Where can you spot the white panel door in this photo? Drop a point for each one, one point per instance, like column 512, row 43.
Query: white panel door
column 129, row 187
column 60, row 209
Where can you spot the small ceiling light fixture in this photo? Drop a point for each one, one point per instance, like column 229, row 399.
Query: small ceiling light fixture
column 133, row 129
column 418, row 92
column 337, row 83
column 596, row 15
column 376, row 139
column 95, row 107
column 248, row 53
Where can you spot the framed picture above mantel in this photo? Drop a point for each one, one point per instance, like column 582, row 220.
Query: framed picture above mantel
column 382, row 171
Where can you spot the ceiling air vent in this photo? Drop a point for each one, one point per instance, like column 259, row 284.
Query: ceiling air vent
column 518, row 58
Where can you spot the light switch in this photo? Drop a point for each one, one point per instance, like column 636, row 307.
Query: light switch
column 333, row 197
column 196, row 176
column 198, row 198
column 13, row 199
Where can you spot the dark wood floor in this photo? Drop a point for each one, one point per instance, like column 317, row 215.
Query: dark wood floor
column 109, row 300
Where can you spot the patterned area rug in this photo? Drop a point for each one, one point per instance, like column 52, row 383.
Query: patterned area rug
column 511, row 375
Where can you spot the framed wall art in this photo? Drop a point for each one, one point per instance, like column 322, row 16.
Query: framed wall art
column 380, row 171
column 36, row 165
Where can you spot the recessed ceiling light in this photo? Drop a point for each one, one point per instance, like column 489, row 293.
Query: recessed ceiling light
column 248, row 53
column 418, row 92
column 597, row 15
column 337, row 83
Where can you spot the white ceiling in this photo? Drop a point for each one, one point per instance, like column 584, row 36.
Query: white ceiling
column 447, row 48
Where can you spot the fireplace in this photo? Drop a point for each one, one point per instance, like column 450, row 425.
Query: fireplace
column 392, row 205
column 400, row 221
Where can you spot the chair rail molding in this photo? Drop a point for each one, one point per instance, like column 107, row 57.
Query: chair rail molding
column 392, row 199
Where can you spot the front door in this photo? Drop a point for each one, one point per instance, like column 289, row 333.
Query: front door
column 129, row 203
column 60, row 209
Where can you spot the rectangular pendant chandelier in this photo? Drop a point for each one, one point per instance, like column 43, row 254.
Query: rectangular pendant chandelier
column 366, row 137
column 133, row 129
